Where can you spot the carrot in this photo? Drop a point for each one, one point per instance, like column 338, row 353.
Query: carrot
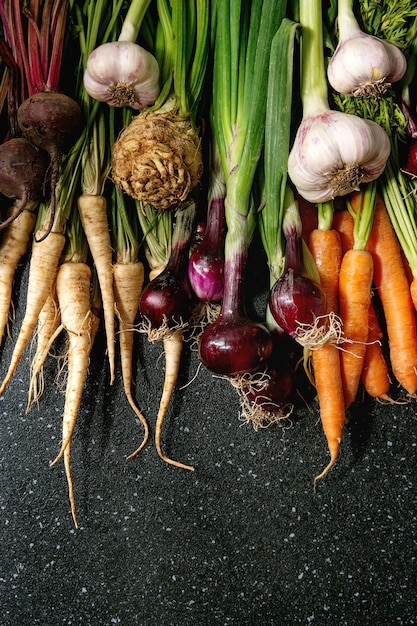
column 391, row 281
column 355, row 284
column 343, row 222
column 43, row 264
column 128, row 281
column 325, row 246
column 93, row 213
column 308, row 214
column 173, row 349
column 48, row 328
column 14, row 243
column 375, row 374
column 73, row 290
column 328, row 382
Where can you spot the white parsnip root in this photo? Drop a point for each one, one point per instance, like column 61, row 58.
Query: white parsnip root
column 48, row 328
column 93, row 214
column 14, row 243
column 73, row 291
column 128, row 281
column 43, row 264
column 173, row 346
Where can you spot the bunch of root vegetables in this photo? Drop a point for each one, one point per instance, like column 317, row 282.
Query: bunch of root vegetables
column 146, row 146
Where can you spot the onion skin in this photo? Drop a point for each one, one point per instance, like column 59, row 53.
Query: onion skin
column 229, row 347
column 296, row 299
column 166, row 300
column 206, row 270
column 276, row 391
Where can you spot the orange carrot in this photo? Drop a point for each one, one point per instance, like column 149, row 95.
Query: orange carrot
column 173, row 349
column 43, row 264
column 375, row 374
column 391, row 281
column 128, row 281
column 14, row 243
column 328, row 382
column 93, row 214
column 325, row 246
column 308, row 214
column 355, row 284
column 326, row 249
column 343, row 222
column 73, row 290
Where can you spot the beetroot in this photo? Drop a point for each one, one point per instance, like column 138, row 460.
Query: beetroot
column 22, row 173
column 51, row 121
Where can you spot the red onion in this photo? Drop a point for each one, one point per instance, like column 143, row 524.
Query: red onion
column 167, row 300
column 295, row 299
column 206, row 263
column 234, row 344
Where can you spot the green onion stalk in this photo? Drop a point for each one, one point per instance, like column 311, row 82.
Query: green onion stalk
column 265, row 398
column 157, row 159
column 235, row 346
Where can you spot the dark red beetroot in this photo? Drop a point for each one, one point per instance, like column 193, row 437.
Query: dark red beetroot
column 22, row 173
column 51, row 121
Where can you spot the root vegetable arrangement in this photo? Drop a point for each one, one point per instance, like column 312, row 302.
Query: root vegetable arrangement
column 139, row 213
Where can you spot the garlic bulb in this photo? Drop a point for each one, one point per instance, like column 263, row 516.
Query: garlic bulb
column 333, row 152
column 363, row 65
column 122, row 73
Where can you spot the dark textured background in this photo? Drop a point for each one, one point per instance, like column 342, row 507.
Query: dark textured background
column 242, row 541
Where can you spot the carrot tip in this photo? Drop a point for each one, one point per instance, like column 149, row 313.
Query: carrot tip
column 324, row 472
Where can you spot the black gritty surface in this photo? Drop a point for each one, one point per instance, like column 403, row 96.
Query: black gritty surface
column 242, row 541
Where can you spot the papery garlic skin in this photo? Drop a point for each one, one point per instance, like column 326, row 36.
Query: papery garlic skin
column 365, row 66
column 334, row 152
column 122, row 73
